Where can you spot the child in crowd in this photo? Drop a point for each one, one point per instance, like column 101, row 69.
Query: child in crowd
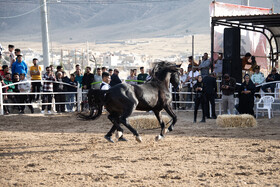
column 24, row 87
column 59, row 98
column 15, row 80
column 73, row 88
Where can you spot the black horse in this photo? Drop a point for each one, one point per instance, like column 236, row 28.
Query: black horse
column 122, row 99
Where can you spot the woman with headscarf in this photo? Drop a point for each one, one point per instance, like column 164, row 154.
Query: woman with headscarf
column 246, row 96
column 199, row 99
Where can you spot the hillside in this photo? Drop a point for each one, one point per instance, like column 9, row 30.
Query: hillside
column 75, row 21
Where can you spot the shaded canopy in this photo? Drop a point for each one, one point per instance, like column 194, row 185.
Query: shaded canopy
column 267, row 24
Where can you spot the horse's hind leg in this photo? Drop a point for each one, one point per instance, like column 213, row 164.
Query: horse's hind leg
column 123, row 119
column 116, row 125
column 162, row 125
column 170, row 112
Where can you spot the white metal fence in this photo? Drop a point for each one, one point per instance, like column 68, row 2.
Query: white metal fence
column 218, row 101
column 78, row 95
column 80, row 92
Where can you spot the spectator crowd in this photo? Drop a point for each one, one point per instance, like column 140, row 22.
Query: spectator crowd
column 57, row 81
column 197, row 84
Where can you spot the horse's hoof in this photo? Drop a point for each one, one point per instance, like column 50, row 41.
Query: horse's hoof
column 109, row 139
column 138, row 139
column 170, row 128
column 165, row 131
column 118, row 134
column 159, row 137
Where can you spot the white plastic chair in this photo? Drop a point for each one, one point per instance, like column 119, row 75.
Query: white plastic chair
column 266, row 101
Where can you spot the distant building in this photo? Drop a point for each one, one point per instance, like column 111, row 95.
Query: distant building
column 110, row 60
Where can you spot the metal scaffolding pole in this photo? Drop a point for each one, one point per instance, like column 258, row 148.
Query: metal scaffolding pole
column 45, row 34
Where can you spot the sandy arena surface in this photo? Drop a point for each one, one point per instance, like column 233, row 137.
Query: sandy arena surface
column 59, row 150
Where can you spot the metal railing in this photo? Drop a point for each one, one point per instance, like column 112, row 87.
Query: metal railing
column 80, row 92
column 275, row 104
column 53, row 103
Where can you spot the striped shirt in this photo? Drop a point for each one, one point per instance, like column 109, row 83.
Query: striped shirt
column 48, row 86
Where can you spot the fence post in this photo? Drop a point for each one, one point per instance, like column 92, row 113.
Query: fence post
column 1, row 100
column 79, row 97
column 53, row 102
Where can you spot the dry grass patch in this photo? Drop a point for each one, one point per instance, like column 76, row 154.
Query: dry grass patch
column 146, row 121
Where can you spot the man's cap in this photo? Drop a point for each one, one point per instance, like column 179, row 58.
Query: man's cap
column 20, row 54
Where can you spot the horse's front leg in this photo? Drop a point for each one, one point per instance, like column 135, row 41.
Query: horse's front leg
column 162, row 125
column 170, row 112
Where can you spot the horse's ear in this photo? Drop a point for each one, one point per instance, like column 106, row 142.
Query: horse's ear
column 178, row 65
column 155, row 69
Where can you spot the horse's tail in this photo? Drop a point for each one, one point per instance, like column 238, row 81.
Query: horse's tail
column 96, row 100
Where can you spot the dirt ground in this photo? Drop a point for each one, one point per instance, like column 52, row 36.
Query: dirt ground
column 60, row 150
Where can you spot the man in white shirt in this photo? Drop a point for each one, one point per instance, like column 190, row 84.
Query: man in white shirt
column 24, row 87
column 12, row 55
column 106, row 79
column 192, row 78
column 184, row 87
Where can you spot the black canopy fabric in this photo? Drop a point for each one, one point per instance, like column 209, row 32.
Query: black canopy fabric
column 267, row 24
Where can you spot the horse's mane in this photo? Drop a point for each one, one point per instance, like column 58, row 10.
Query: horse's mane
column 160, row 69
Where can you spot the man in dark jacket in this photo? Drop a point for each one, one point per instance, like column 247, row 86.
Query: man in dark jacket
column 228, row 86
column 59, row 87
column 88, row 78
column 210, row 90
column 115, row 78
column 273, row 76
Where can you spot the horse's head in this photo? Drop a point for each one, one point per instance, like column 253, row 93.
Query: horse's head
column 175, row 79
column 161, row 69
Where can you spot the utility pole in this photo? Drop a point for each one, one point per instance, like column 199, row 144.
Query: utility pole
column 83, row 59
column 87, row 54
column 245, row 2
column 75, row 56
column 61, row 56
column 192, row 52
column 193, row 46
column 45, row 33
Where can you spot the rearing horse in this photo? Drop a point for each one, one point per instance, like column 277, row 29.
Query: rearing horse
column 122, row 99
